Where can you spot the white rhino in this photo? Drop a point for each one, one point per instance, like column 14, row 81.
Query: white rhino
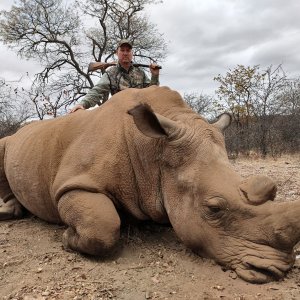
column 145, row 153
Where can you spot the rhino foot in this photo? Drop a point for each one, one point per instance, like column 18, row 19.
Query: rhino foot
column 12, row 209
column 88, row 245
column 94, row 224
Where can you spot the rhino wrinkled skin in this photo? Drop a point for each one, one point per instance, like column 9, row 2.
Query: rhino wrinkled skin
column 145, row 153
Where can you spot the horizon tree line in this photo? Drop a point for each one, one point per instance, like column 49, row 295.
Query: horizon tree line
column 264, row 103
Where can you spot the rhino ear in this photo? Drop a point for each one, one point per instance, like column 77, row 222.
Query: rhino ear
column 258, row 189
column 223, row 121
column 151, row 124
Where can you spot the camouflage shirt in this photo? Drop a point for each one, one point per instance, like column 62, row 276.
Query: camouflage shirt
column 114, row 80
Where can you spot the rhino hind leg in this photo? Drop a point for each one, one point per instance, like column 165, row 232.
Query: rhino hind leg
column 94, row 224
column 11, row 209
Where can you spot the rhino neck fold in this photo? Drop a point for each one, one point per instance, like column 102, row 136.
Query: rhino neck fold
column 145, row 159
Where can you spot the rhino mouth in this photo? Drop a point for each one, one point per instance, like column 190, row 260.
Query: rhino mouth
column 255, row 262
column 262, row 270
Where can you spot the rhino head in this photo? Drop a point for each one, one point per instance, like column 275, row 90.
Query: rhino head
column 212, row 209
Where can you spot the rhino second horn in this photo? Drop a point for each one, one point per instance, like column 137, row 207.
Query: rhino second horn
column 258, row 189
column 224, row 120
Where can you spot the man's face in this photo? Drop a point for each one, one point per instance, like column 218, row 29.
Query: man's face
column 124, row 54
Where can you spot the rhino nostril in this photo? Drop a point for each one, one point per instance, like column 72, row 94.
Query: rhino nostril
column 254, row 274
column 270, row 271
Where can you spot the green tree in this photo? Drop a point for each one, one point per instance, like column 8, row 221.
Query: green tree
column 253, row 97
column 236, row 95
column 236, row 90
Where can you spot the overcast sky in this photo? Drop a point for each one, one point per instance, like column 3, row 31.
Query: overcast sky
column 208, row 37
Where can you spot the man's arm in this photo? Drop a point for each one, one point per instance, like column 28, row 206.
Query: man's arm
column 96, row 95
column 154, row 76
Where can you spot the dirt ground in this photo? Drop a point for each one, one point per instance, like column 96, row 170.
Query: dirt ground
column 151, row 264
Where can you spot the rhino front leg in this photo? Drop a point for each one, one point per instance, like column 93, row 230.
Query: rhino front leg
column 11, row 209
column 94, row 224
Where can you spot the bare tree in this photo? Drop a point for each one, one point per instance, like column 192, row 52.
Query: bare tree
column 63, row 40
column 287, row 126
column 267, row 103
column 14, row 109
column 200, row 103
column 122, row 20
column 48, row 103
column 290, row 97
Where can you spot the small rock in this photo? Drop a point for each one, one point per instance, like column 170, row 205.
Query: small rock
column 147, row 295
column 155, row 279
column 232, row 275
column 219, row 288
column 274, row 288
column 160, row 255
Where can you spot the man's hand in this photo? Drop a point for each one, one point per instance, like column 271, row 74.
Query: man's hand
column 76, row 107
column 154, row 70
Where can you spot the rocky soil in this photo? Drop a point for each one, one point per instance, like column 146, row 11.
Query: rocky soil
column 151, row 264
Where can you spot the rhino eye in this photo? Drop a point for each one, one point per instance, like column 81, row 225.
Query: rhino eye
column 214, row 208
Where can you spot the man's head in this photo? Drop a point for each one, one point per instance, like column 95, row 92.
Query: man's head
column 124, row 42
column 124, row 53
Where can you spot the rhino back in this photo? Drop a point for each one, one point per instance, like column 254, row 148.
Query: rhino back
column 85, row 150
column 106, row 161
